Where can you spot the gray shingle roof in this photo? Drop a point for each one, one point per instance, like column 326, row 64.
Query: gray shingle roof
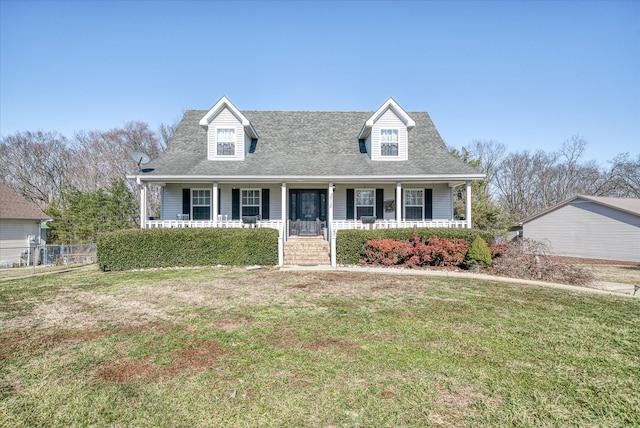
column 628, row 205
column 14, row 206
column 301, row 143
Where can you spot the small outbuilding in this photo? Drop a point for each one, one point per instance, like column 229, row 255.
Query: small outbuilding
column 20, row 229
column 591, row 227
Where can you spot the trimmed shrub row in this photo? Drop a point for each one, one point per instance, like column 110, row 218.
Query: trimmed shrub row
column 351, row 248
column 149, row 248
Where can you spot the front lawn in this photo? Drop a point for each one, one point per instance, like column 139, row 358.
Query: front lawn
column 227, row 347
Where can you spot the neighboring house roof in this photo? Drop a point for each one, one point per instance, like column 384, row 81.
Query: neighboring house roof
column 628, row 205
column 302, row 144
column 14, row 206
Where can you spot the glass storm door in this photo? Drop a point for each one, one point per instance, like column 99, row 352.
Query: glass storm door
column 309, row 212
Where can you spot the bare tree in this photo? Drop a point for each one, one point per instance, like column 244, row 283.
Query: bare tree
column 106, row 156
column 489, row 154
column 166, row 132
column 530, row 182
column 624, row 177
column 36, row 164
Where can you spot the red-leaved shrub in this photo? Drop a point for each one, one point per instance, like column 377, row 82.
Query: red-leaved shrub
column 415, row 252
column 498, row 249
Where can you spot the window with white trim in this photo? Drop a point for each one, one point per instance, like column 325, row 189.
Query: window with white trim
column 250, row 202
column 389, row 142
column 201, row 204
column 413, row 204
column 226, row 141
column 365, row 202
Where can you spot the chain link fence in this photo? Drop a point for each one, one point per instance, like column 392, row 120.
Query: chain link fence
column 47, row 255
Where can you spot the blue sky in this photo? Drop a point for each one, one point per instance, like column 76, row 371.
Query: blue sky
column 527, row 74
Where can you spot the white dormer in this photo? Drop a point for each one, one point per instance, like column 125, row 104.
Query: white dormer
column 229, row 133
column 386, row 133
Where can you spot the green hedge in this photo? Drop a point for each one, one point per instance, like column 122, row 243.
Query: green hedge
column 350, row 243
column 149, row 248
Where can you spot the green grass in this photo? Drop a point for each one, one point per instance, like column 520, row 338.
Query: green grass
column 219, row 347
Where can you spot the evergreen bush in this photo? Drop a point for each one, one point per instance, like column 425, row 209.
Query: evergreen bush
column 149, row 248
column 478, row 254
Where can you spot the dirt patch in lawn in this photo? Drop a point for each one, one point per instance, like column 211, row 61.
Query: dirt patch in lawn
column 190, row 360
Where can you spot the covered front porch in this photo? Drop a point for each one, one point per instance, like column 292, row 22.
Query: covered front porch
column 297, row 209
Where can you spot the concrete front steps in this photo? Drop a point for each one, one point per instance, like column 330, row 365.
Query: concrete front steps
column 306, row 250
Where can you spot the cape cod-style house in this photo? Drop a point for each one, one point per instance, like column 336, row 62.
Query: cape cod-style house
column 306, row 173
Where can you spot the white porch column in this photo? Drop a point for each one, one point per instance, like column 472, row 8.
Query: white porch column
column 330, row 211
column 143, row 204
column 468, row 205
column 330, row 236
column 399, row 203
column 215, row 204
column 283, row 230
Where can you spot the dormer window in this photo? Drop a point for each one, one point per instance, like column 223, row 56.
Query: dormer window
column 389, row 142
column 230, row 135
column 226, row 141
column 386, row 133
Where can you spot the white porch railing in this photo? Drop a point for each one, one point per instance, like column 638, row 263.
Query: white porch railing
column 232, row 224
column 393, row 224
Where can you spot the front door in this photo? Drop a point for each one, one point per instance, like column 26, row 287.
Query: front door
column 307, row 211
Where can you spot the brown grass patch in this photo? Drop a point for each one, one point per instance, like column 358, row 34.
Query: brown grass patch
column 191, row 360
column 287, row 338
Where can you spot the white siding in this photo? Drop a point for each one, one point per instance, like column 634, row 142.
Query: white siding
column 171, row 201
column 275, row 199
column 389, row 120
column 442, row 202
column 172, row 198
column 275, row 203
column 589, row 230
column 225, row 119
column 340, row 202
column 13, row 239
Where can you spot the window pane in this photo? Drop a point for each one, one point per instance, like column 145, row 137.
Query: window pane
column 389, row 149
column 226, row 149
column 250, row 202
column 389, row 135
column 201, row 213
column 226, row 138
column 364, row 197
column 360, row 211
column 250, row 210
column 201, row 197
column 413, row 198
column 226, row 135
column 413, row 213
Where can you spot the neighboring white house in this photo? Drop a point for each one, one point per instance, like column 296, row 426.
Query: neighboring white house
column 589, row 227
column 306, row 173
column 19, row 226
